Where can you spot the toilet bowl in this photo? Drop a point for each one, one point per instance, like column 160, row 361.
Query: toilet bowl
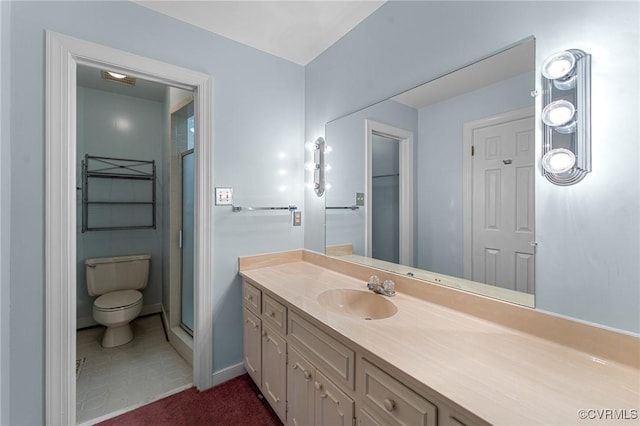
column 115, row 311
column 117, row 281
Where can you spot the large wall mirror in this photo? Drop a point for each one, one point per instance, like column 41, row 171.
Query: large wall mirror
column 437, row 182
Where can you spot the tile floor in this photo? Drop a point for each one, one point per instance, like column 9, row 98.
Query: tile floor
column 130, row 375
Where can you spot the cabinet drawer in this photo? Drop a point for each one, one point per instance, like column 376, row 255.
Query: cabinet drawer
column 398, row 404
column 275, row 313
column 251, row 297
column 330, row 356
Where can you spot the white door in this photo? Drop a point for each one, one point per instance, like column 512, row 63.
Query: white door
column 503, row 205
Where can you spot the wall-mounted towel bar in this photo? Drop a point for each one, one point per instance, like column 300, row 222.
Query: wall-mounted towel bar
column 240, row 208
column 343, row 208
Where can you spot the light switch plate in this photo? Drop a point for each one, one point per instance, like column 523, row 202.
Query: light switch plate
column 297, row 218
column 224, row 196
column 359, row 198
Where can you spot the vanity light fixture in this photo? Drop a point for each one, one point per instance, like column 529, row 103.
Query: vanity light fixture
column 566, row 115
column 318, row 166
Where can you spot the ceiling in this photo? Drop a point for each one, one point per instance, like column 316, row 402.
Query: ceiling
column 298, row 31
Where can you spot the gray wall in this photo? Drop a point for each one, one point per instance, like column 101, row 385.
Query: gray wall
column 5, row 223
column 258, row 107
column 439, row 221
column 587, row 258
column 100, row 133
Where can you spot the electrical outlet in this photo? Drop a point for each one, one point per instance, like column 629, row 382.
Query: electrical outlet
column 359, row 198
column 297, row 218
column 224, row 196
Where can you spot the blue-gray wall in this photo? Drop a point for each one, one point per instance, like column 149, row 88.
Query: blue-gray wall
column 112, row 125
column 588, row 234
column 5, row 222
column 258, row 107
column 439, row 221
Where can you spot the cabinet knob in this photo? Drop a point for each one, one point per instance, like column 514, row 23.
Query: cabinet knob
column 307, row 374
column 264, row 333
column 250, row 297
column 255, row 325
column 318, row 385
column 295, row 366
column 389, row 404
column 272, row 314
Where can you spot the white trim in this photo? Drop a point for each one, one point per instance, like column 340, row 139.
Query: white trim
column 63, row 55
column 405, row 139
column 228, row 373
column 467, row 176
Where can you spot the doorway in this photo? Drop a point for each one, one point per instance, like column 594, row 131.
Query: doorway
column 64, row 54
column 389, row 139
column 499, row 202
column 385, row 199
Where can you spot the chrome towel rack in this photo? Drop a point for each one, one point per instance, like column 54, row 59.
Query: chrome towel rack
column 354, row 207
column 241, row 208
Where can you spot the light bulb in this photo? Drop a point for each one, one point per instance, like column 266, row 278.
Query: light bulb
column 558, row 65
column 558, row 113
column 558, row 160
column 116, row 75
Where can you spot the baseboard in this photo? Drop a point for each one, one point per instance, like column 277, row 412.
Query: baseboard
column 85, row 322
column 228, row 373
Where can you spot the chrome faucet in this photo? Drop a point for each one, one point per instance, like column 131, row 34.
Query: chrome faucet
column 387, row 288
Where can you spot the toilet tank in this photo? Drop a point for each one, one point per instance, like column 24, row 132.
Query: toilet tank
column 105, row 274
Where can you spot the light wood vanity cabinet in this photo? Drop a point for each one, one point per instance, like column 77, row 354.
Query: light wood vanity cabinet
column 313, row 398
column 309, row 376
column 265, row 347
column 391, row 401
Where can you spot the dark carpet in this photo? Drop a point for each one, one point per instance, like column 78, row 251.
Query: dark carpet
column 234, row 402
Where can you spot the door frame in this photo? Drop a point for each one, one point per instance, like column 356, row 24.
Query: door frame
column 405, row 139
column 63, row 55
column 467, row 175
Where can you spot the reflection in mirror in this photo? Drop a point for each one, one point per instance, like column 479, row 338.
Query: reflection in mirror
column 447, row 172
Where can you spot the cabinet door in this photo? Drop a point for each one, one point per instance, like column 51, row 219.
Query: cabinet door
column 300, row 391
column 252, row 345
column 332, row 406
column 274, row 370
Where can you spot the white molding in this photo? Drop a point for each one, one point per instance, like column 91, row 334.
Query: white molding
column 63, row 55
column 228, row 373
column 405, row 139
column 467, row 176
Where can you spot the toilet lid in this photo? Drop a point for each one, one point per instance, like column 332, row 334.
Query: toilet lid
column 118, row 299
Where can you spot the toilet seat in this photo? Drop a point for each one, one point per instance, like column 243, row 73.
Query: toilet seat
column 118, row 300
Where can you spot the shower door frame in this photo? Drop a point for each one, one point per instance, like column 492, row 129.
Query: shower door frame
column 63, row 55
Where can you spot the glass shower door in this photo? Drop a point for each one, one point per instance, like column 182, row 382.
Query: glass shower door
column 186, row 243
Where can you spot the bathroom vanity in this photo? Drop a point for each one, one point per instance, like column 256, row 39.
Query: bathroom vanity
column 323, row 354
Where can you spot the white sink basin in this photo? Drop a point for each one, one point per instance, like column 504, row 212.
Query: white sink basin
column 361, row 304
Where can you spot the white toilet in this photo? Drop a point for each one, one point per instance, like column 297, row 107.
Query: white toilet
column 116, row 280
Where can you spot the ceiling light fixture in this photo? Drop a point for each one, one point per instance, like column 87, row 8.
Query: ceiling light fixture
column 116, row 75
